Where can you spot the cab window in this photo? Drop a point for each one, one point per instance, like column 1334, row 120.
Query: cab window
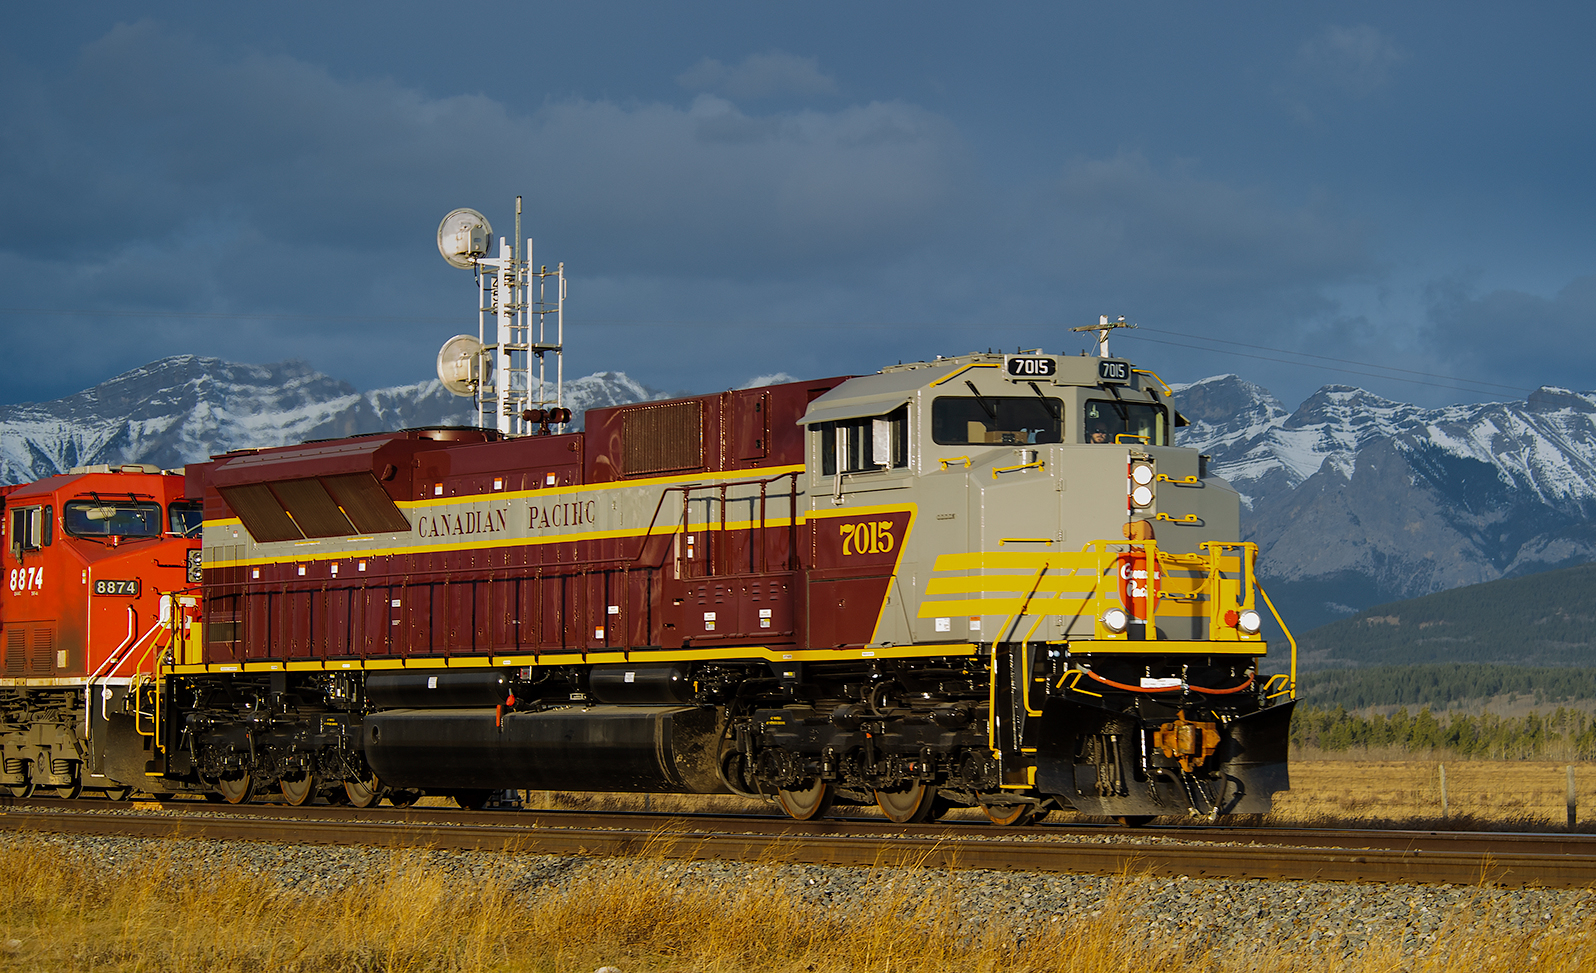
column 1138, row 422
column 996, row 420
column 186, row 518
column 870, row 443
column 31, row 528
column 111, row 518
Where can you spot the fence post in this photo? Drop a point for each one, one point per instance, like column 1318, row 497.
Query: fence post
column 1443, row 791
column 1573, row 799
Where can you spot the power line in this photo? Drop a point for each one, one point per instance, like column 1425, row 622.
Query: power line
column 1344, row 361
column 1328, row 368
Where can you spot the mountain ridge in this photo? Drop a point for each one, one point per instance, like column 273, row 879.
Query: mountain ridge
column 1353, row 499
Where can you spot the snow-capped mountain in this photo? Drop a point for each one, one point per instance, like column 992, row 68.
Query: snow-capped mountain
column 1353, row 499
column 1356, row 499
column 182, row 409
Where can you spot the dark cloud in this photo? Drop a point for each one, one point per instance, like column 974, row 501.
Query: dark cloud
column 759, row 76
column 1513, row 337
column 1127, row 230
column 255, row 186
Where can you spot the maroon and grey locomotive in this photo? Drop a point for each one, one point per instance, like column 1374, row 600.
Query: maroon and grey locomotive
column 989, row 581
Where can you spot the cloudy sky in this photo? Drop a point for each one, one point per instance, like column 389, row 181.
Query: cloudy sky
column 1398, row 196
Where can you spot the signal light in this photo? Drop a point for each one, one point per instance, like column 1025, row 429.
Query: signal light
column 1115, row 620
column 546, row 417
column 1250, row 622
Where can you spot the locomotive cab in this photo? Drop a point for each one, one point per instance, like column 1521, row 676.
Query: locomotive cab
column 1043, row 515
column 90, row 558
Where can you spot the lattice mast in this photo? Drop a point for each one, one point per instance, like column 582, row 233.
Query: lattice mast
column 514, row 306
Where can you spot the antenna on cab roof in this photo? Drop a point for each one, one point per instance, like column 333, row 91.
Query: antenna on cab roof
column 1103, row 327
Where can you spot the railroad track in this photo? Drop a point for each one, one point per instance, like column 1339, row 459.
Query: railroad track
column 1510, row 860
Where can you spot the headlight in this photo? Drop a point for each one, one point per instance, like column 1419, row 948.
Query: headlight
column 1115, row 620
column 1249, row 622
column 1142, row 496
column 1141, row 474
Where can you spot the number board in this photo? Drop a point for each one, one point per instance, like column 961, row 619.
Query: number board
column 111, row 586
column 1030, row 366
column 1113, row 371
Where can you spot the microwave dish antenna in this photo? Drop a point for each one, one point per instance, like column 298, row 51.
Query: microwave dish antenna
column 463, row 236
column 520, row 322
column 460, row 365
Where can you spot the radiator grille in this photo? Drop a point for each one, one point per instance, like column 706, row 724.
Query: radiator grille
column 43, row 651
column 16, row 651
column 663, row 438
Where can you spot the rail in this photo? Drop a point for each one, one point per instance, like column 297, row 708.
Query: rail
column 1466, row 859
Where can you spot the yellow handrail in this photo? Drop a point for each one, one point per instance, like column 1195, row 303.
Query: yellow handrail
column 1039, row 464
column 1146, row 371
column 1289, row 638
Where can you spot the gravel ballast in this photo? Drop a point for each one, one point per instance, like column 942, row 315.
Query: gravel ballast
column 1221, row 915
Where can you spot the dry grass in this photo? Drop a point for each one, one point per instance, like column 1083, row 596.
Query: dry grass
column 1405, row 793
column 1326, row 791
column 62, row 913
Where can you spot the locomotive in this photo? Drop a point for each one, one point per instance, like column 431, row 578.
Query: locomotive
column 95, row 560
column 989, row 581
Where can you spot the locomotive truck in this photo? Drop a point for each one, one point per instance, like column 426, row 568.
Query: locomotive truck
column 989, row 581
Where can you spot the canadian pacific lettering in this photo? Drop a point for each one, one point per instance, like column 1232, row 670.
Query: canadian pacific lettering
column 573, row 514
column 462, row 524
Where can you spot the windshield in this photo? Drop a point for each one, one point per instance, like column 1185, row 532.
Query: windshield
column 111, row 518
column 996, row 420
column 186, row 518
column 1109, row 421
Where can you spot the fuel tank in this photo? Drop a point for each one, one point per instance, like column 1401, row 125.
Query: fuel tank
column 594, row 748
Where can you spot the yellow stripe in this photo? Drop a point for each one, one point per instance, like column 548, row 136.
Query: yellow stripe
column 771, row 471
column 1162, row 647
column 592, row 658
column 956, row 374
column 712, row 526
column 981, row 583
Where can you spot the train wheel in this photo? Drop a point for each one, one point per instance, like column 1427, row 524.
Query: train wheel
column 806, row 804
column 236, row 790
column 71, row 791
column 403, row 798
column 363, row 793
column 24, row 790
column 472, row 800
column 119, row 793
column 1133, row 820
column 1009, row 815
column 910, row 804
column 299, row 791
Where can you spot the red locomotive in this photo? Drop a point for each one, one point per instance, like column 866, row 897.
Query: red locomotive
column 92, row 558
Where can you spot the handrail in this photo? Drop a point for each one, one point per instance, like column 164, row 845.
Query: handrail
column 947, row 462
column 88, row 685
column 1289, row 638
column 1038, row 464
column 1148, row 371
